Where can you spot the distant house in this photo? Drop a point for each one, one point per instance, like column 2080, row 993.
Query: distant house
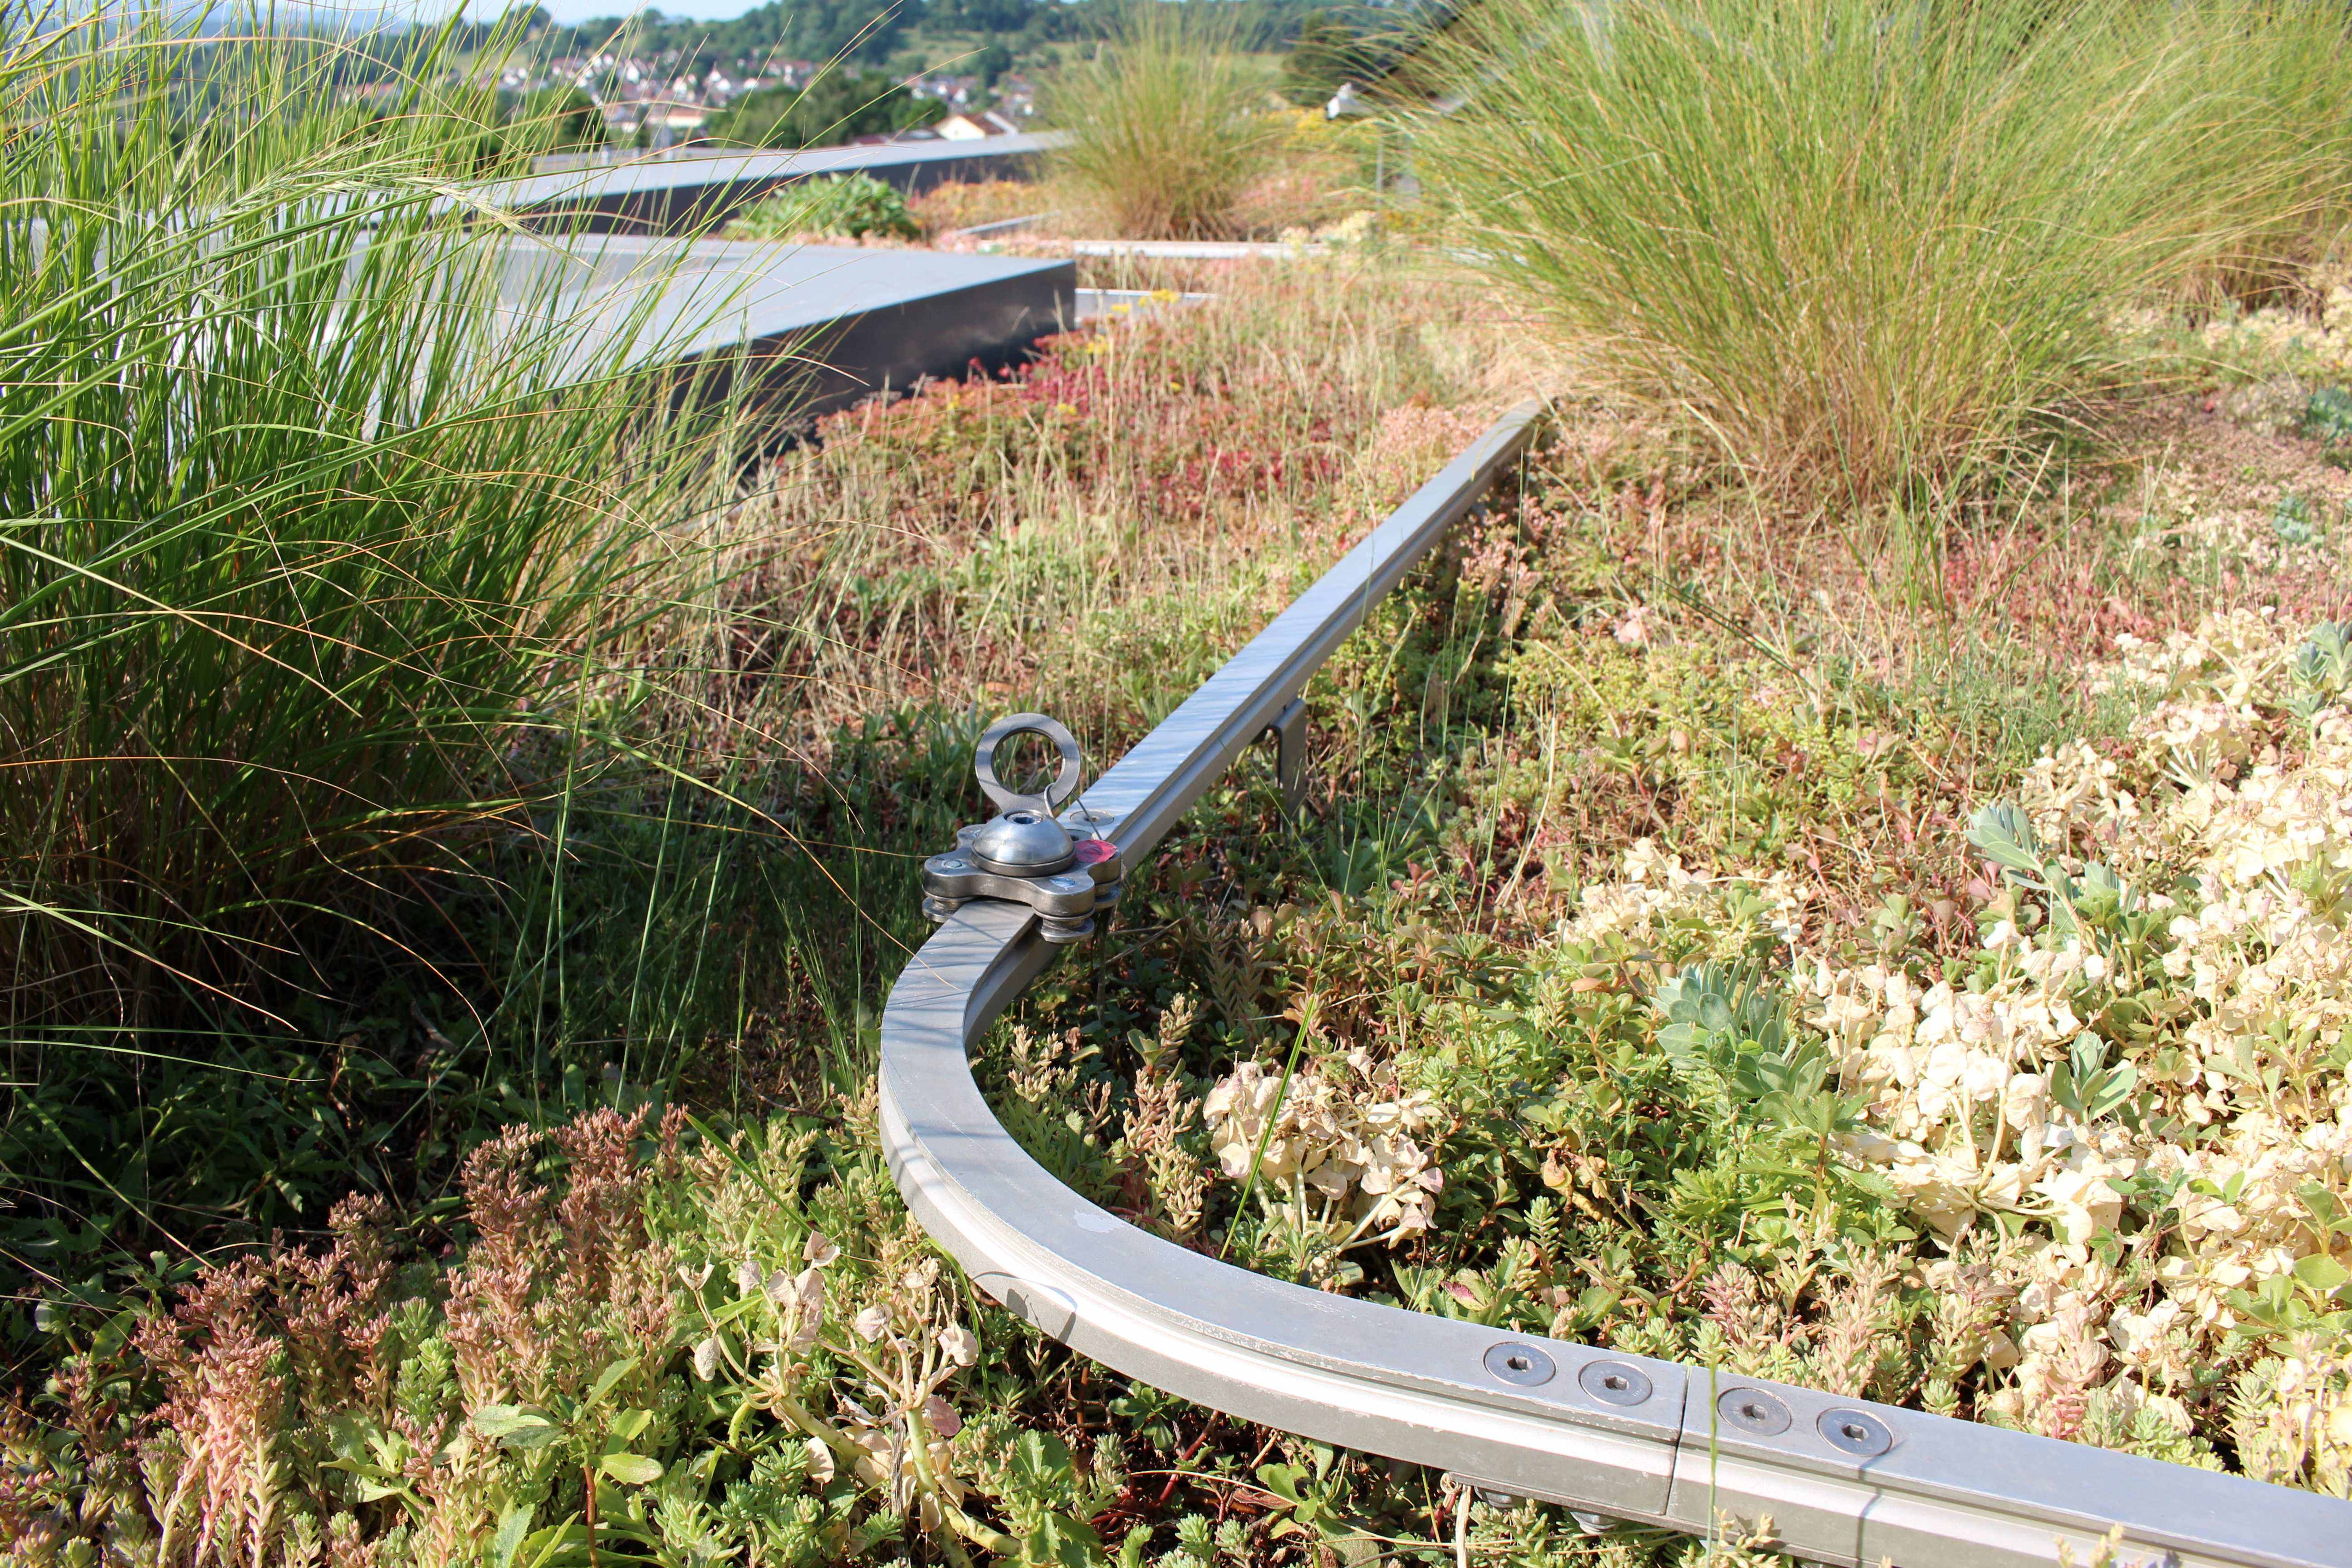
column 668, row 122
column 967, row 125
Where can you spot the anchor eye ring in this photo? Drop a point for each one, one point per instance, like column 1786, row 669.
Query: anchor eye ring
column 1066, row 783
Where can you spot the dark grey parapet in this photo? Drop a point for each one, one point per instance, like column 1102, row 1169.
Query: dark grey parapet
column 931, row 315
column 827, row 324
column 674, row 195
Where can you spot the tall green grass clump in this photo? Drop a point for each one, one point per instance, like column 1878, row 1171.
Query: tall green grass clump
column 329, row 546
column 1871, row 245
column 1167, row 124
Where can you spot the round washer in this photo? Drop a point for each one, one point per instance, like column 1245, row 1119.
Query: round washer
column 1856, row 1432
column 1522, row 1365
column 1615, row 1382
column 1753, row 1410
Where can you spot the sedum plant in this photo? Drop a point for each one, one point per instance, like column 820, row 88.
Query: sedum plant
column 644, row 1351
column 850, row 205
column 2327, row 419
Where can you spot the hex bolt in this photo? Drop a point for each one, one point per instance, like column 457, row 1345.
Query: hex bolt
column 1856, row 1432
column 1521, row 1365
column 1753, row 1410
column 950, row 865
column 1615, row 1382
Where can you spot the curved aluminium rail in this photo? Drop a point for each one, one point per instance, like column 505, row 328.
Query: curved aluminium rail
column 1843, row 1480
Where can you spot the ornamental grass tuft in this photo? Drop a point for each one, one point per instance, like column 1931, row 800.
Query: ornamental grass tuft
column 324, row 531
column 1167, row 121
column 1874, row 251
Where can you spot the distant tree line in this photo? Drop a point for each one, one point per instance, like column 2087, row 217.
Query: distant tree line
column 1324, row 45
column 790, row 29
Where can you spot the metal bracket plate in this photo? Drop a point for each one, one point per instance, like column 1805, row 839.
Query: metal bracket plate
column 1065, row 902
column 1288, row 733
column 1081, row 877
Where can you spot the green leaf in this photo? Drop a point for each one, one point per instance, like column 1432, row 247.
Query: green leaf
column 1041, row 1462
column 610, row 1377
column 348, row 1434
column 631, row 1470
column 630, row 1424
column 2110, row 1091
column 2004, row 836
column 516, row 1426
column 1061, row 1542
column 2322, row 1273
column 2324, row 1205
column 2088, row 1055
column 514, row 1524
column 1282, row 1480
column 2272, row 1303
column 542, row 1547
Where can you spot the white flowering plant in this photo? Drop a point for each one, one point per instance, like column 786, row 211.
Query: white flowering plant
column 2068, row 1153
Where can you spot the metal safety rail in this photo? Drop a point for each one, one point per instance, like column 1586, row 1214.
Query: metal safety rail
column 1609, row 1435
